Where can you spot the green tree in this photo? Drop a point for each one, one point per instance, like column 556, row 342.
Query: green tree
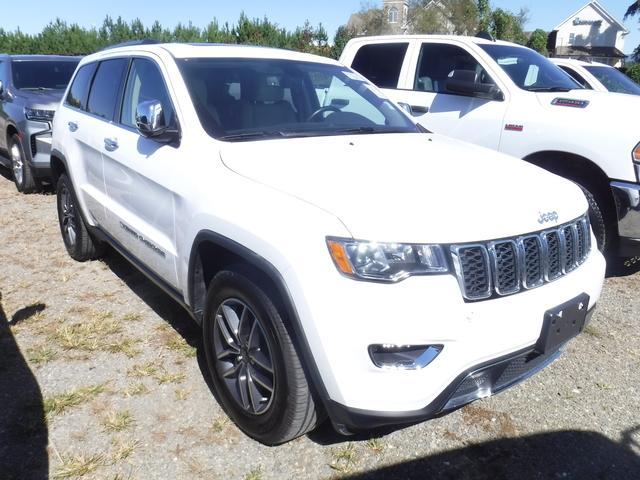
column 538, row 41
column 484, row 15
column 633, row 71
column 342, row 36
column 508, row 26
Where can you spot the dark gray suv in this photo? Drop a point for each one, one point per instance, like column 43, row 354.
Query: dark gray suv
column 31, row 87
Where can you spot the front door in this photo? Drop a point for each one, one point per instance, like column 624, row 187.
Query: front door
column 138, row 174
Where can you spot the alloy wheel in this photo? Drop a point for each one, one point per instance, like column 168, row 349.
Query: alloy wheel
column 17, row 164
column 68, row 216
column 243, row 356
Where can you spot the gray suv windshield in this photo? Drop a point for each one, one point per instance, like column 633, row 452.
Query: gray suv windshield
column 42, row 75
column 249, row 99
column 529, row 70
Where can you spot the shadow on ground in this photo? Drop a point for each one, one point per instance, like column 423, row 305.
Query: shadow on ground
column 23, row 426
column 570, row 455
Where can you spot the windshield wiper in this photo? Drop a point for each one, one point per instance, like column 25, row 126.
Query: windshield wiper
column 38, row 89
column 250, row 136
column 549, row 89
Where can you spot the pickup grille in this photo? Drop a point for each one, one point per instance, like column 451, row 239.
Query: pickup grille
column 507, row 266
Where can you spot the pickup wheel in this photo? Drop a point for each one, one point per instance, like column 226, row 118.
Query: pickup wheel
column 598, row 224
column 80, row 245
column 22, row 174
column 252, row 361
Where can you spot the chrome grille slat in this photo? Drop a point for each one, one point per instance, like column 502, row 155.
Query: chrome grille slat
column 507, row 266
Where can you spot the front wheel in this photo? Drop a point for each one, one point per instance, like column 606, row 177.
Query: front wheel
column 602, row 231
column 253, row 363
column 22, row 173
column 79, row 243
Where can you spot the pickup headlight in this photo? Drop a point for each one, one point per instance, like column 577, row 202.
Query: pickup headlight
column 388, row 262
column 38, row 114
column 636, row 153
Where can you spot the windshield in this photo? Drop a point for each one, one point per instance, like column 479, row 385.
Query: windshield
column 250, row 99
column 42, row 74
column 529, row 70
column 614, row 80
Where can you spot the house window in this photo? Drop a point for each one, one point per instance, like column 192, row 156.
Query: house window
column 572, row 38
column 393, row 15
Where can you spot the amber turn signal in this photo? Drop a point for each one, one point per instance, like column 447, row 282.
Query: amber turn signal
column 340, row 258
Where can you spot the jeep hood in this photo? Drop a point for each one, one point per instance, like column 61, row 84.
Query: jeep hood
column 410, row 187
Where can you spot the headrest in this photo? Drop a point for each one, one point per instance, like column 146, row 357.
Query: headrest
column 269, row 93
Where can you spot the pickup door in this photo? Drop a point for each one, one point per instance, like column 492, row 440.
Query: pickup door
column 422, row 82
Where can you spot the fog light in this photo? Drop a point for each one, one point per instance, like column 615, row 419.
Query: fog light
column 406, row 357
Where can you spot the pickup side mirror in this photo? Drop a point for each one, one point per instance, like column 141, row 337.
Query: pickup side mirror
column 1, row 89
column 151, row 122
column 466, row 82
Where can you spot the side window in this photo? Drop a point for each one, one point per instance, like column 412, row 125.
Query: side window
column 2, row 75
column 576, row 76
column 77, row 96
column 437, row 63
column 106, row 87
column 381, row 63
column 144, row 83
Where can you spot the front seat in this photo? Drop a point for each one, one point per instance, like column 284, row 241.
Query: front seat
column 268, row 108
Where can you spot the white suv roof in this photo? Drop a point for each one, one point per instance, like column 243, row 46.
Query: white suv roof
column 459, row 38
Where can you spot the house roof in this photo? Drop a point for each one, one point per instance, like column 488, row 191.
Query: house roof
column 600, row 9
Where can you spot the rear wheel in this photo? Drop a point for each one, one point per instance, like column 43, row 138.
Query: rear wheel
column 22, row 173
column 253, row 363
column 79, row 243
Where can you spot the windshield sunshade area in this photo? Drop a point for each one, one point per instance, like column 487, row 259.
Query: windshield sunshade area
column 42, row 74
column 614, row 80
column 529, row 70
column 240, row 99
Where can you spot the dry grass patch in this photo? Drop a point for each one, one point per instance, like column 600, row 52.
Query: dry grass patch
column 163, row 376
column 144, row 369
column 132, row 317
column 344, row 459
column 136, row 389
column 126, row 346
column 59, row 403
column 117, row 421
column 255, row 474
column 172, row 340
column 376, row 445
column 124, row 449
column 41, row 354
column 182, row 393
column 220, row 424
column 78, row 465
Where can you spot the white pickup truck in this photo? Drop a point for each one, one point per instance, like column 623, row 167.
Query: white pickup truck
column 509, row 98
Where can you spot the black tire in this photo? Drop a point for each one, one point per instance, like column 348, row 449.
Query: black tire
column 602, row 231
column 25, row 181
column 291, row 410
column 79, row 243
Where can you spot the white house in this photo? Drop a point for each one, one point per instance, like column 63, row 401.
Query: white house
column 590, row 32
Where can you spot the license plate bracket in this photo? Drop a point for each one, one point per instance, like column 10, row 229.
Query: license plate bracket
column 562, row 323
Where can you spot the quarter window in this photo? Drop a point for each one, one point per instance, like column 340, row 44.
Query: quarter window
column 381, row 63
column 77, row 96
column 438, row 62
column 145, row 83
column 106, row 88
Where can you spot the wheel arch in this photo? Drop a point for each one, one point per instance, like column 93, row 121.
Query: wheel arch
column 58, row 165
column 211, row 253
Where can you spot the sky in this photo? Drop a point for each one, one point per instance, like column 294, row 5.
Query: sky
column 32, row 16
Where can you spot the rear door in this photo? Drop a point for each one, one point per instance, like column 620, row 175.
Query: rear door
column 473, row 119
column 139, row 173
column 3, row 99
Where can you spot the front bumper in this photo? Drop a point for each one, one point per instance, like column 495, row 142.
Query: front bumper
column 37, row 146
column 627, row 200
column 480, row 381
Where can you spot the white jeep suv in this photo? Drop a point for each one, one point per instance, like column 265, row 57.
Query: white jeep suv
column 339, row 260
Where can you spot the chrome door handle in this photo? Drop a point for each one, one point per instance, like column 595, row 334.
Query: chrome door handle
column 110, row 144
column 73, row 126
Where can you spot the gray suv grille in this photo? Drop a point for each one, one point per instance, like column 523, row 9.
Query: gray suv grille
column 504, row 267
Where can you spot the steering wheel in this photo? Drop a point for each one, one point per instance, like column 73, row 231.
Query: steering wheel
column 320, row 111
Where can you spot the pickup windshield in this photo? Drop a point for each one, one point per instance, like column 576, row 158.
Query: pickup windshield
column 246, row 99
column 529, row 70
column 42, row 74
column 614, row 80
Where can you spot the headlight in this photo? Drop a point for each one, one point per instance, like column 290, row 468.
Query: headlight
column 390, row 262
column 636, row 153
column 39, row 114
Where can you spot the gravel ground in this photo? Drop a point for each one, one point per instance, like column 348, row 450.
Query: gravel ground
column 101, row 377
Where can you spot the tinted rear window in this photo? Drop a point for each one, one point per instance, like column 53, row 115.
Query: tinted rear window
column 77, row 96
column 381, row 63
column 106, row 87
column 42, row 74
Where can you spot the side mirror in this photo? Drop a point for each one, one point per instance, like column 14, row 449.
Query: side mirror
column 466, row 82
column 150, row 119
column 1, row 89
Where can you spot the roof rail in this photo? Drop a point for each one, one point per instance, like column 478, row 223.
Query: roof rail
column 485, row 36
column 131, row 43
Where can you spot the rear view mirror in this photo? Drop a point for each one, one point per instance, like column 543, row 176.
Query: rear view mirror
column 466, row 82
column 339, row 102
